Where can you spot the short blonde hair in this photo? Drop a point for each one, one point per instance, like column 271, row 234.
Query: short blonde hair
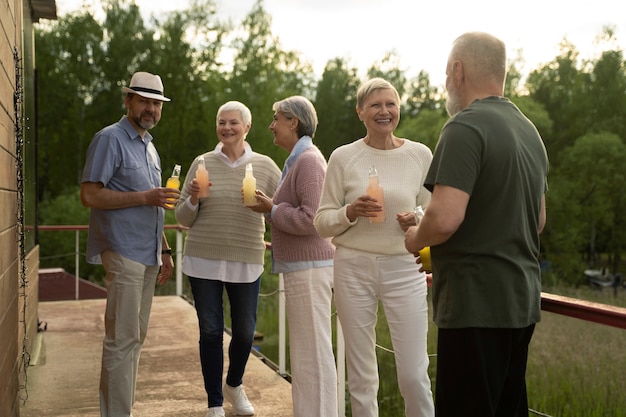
column 371, row 85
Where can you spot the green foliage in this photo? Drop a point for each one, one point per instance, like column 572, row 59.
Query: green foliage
column 424, row 127
column 587, row 199
column 335, row 103
column 262, row 74
column 82, row 64
column 58, row 248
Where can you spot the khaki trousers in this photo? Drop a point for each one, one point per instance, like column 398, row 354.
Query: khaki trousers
column 130, row 289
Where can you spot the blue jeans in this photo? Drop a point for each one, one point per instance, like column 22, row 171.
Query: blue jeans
column 243, row 298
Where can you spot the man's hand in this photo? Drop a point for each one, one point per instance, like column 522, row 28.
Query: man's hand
column 167, row 268
column 409, row 240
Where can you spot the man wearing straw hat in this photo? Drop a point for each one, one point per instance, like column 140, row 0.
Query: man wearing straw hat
column 121, row 184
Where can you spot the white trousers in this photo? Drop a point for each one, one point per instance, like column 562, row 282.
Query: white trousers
column 130, row 289
column 361, row 280
column 309, row 296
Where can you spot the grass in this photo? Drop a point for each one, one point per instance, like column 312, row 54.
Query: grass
column 575, row 368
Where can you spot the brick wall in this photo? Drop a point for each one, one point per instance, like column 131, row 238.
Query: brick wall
column 18, row 321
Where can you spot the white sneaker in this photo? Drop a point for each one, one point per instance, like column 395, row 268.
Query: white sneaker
column 215, row 412
column 238, row 398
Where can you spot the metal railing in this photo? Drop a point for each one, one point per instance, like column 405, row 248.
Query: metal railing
column 566, row 306
column 282, row 316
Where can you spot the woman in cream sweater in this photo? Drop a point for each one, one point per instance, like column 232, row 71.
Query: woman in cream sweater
column 371, row 262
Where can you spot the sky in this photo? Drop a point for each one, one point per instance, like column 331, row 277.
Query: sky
column 420, row 32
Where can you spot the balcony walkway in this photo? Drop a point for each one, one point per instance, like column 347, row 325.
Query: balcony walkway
column 65, row 367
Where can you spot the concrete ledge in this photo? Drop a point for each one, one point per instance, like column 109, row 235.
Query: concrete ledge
column 64, row 381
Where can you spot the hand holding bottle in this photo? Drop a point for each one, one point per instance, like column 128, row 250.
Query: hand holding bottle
column 202, row 178
column 249, row 187
column 173, row 182
column 375, row 190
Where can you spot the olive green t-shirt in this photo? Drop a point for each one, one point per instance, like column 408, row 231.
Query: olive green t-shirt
column 487, row 274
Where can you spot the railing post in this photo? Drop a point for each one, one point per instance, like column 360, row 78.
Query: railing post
column 76, row 264
column 179, row 260
column 341, row 371
column 282, row 333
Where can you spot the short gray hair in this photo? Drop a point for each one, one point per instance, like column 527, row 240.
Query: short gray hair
column 302, row 109
column 246, row 115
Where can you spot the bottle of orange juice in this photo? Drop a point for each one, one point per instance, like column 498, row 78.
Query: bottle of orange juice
column 173, row 182
column 202, row 176
column 374, row 189
column 249, row 187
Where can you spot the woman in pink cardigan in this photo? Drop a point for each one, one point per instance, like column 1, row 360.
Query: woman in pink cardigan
column 303, row 257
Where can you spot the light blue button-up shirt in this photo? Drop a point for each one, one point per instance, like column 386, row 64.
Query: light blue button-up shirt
column 119, row 158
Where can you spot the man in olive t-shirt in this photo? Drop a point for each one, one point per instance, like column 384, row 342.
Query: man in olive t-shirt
column 488, row 179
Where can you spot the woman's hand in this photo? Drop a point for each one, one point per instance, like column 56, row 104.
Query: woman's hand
column 193, row 188
column 264, row 203
column 364, row 206
column 406, row 219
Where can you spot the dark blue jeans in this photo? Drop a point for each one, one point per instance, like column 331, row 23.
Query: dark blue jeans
column 243, row 298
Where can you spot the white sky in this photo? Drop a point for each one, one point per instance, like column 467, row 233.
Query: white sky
column 421, row 33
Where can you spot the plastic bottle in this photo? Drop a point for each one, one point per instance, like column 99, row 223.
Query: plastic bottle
column 249, row 187
column 173, row 182
column 419, row 213
column 374, row 189
column 202, row 176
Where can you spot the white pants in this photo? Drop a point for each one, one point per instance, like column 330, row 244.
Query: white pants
column 309, row 295
column 361, row 280
column 130, row 289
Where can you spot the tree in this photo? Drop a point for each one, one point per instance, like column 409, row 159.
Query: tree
column 335, row 103
column 563, row 90
column 424, row 128
column 262, row 74
column 607, row 95
column 67, row 57
column 423, row 96
column 389, row 69
column 586, row 200
column 187, row 55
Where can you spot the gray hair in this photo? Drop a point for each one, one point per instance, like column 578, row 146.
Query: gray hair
column 302, row 109
column 483, row 55
column 246, row 115
column 371, row 85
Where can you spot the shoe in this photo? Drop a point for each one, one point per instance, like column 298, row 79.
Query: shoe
column 215, row 412
column 238, row 398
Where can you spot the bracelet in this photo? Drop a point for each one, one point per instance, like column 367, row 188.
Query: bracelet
column 166, row 252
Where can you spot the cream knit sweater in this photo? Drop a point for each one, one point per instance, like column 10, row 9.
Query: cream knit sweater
column 401, row 171
column 223, row 228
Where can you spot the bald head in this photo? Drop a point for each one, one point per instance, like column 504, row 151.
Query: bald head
column 483, row 57
column 476, row 69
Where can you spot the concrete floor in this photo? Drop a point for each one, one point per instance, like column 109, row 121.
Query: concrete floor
column 65, row 368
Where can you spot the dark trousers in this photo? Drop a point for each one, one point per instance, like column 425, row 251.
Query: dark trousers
column 481, row 372
column 243, row 298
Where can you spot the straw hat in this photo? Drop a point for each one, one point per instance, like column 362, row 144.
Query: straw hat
column 146, row 85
